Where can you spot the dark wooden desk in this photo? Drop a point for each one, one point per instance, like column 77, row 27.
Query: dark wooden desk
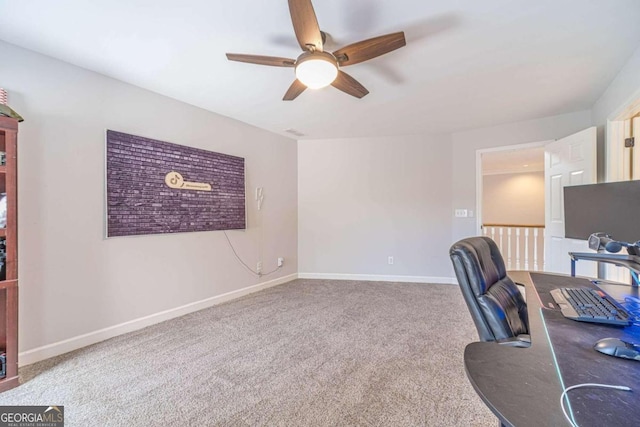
column 522, row 386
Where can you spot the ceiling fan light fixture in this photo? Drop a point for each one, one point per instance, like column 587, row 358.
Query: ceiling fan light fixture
column 316, row 69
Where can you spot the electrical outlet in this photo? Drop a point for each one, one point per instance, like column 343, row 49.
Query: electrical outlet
column 280, row 261
column 259, row 267
column 461, row 213
column 390, row 260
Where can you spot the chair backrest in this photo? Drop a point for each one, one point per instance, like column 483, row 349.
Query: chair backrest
column 496, row 305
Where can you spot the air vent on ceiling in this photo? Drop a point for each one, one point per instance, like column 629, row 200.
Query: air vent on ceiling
column 294, row 132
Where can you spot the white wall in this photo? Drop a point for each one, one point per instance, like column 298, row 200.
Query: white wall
column 624, row 88
column 513, row 198
column 363, row 200
column 72, row 280
column 465, row 145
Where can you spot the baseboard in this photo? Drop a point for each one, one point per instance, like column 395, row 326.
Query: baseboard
column 70, row 344
column 379, row 278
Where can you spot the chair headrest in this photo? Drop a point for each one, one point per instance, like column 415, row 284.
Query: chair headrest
column 482, row 260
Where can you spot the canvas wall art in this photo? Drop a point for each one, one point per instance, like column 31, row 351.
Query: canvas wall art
column 159, row 187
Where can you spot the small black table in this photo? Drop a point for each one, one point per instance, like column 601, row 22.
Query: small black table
column 522, row 386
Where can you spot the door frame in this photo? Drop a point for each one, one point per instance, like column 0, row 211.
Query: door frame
column 479, row 154
column 615, row 132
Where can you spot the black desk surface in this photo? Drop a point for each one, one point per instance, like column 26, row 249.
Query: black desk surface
column 522, row 386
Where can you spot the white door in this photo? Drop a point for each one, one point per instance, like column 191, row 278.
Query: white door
column 568, row 161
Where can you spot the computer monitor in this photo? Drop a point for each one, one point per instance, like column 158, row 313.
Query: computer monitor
column 612, row 208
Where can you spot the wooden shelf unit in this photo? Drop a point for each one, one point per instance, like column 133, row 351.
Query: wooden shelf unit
column 9, row 286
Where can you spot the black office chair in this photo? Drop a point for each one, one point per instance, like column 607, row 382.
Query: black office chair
column 496, row 305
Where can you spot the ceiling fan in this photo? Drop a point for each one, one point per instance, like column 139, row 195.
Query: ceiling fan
column 315, row 68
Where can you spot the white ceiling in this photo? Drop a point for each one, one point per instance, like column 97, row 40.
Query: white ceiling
column 513, row 161
column 467, row 63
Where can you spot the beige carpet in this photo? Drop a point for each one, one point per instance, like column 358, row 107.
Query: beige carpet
column 306, row 353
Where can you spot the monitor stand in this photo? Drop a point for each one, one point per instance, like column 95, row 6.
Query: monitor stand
column 632, row 262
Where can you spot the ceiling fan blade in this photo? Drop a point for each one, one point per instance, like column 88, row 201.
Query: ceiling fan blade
column 262, row 60
column 305, row 24
column 349, row 85
column 294, row 90
column 370, row 48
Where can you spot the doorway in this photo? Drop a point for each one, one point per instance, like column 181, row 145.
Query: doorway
column 511, row 203
column 567, row 161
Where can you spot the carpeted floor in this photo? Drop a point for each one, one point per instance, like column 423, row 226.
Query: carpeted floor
column 306, row 353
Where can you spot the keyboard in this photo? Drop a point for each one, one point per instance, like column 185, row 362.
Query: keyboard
column 590, row 305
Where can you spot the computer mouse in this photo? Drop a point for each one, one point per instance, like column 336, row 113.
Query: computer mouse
column 618, row 348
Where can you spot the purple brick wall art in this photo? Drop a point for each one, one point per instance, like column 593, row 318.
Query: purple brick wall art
column 158, row 187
